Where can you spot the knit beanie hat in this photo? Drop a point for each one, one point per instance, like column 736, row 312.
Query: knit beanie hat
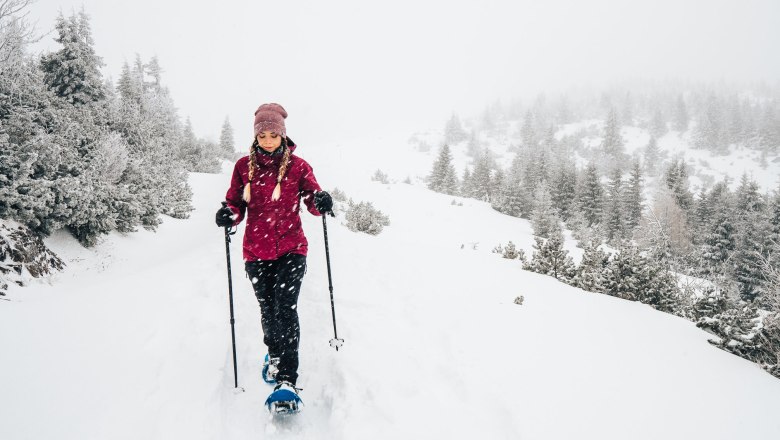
column 270, row 117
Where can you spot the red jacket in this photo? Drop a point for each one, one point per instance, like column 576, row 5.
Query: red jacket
column 273, row 228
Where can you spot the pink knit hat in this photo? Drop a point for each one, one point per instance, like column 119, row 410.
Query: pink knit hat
column 270, row 117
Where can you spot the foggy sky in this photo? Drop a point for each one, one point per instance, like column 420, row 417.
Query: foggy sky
column 354, row 68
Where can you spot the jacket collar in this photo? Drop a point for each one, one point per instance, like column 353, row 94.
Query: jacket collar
column 274, row 159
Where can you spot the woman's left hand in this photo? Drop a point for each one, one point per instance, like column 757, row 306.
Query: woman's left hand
column 324, row 203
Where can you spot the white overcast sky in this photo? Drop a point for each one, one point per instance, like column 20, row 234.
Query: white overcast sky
column 357, row 67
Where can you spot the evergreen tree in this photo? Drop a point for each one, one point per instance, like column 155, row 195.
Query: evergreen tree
column 681, row 115
column 658, row 124
column 154, row 70
column 481, row 178
column 591, row 195
column 774, row 214
column 472, row 147
column 652, row 156
column 517, row 201
column 633, row 197
column 676, row 178
column 528, row 131
column 612, row 143
column 543, row 219
column 709, row 130
column 227, row 141
column 563, row 191
column 628, row 110
column 623, row 274
column 769, row 131
column 500, row 196
column 453, row 131
column 550, row 258
column 591, row 273
column 752, row 245
column 73, row 72
column 734, row 122
column 467, row 184
column 614, row 221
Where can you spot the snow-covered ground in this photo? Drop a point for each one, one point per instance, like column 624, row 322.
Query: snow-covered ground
column 132, row 341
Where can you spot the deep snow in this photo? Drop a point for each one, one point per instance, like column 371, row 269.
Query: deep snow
column 133, row 339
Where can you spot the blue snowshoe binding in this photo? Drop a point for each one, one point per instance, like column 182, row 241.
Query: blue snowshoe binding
column 284, row 400
column 270, row 368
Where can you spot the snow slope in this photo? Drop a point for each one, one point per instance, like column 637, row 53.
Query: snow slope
column 133, row 339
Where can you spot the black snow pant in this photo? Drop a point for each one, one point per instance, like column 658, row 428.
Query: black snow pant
column 277, row 284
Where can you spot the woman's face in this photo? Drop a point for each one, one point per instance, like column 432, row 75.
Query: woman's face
column 269, row 141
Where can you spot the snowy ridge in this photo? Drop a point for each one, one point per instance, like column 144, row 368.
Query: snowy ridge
column 133, row 339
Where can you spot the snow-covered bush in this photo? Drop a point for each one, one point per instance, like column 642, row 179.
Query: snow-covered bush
column 363, row 217
column 380, row 177
column 510, row 251
column 338, row 195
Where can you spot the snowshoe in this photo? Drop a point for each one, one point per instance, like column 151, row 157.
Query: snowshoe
column 284, row 400
column 270, row 368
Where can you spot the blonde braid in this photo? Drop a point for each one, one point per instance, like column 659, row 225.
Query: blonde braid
column 282, row 170
column 252, row 168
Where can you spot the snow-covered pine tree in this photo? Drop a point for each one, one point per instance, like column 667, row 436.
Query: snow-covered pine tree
column 676, row 178
column 627, row 111
column 774, row 214
column 443, row 178
column 612, row 142
column 769, row 130
column 658, row 126
column 453, row 131
column 591, row 272
column 500, row 195
column 481, row 178
column 528, row 131
column 591, row 195
column 710, row 128
column 467, row 183
column 623, row 274
column 652, row 156
column 472, row 147
column 614, row 217
column 154, row 71
column 733, row 129
column 633, row 199
column 544, row 220
column 198, row 155
column 29, row 161
column 516, row 199
column 681, row 118
column 563, row 190
column 752, row 243
column 550, row 258
column 227, row 142
column 73, row 72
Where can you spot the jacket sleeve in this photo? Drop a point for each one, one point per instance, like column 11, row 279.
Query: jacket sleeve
column 308, row 186
column 234, row 196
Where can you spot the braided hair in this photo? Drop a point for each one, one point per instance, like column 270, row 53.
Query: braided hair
column 255, row 149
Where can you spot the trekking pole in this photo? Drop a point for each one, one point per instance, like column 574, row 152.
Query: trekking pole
column 335, row 342
column 228, row 233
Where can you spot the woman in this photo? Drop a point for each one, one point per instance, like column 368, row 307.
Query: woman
column 267, row 188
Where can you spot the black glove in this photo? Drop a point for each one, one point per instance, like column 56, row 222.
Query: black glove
column 324, row 203
column 224, row 217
